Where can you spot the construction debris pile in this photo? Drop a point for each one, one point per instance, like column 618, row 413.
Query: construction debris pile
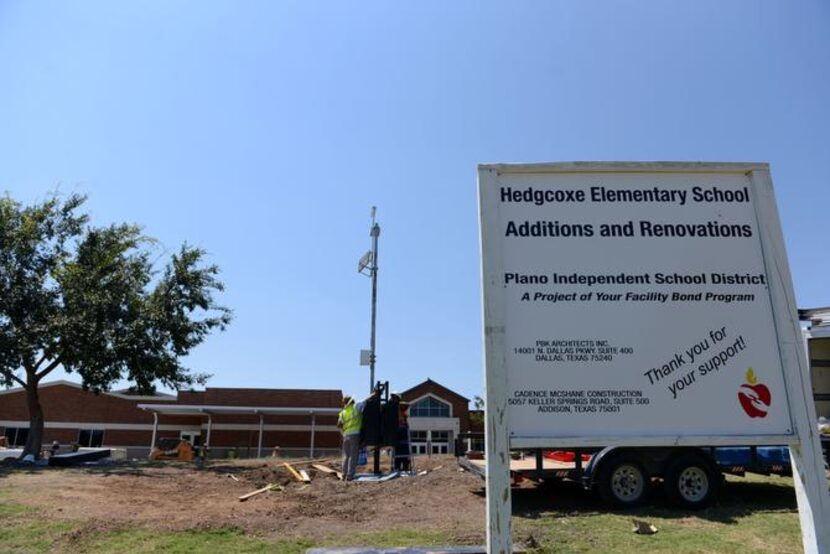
column 299, row 475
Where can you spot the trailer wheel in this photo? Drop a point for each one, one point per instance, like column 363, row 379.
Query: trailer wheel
column 690, row 482
column 622, row 482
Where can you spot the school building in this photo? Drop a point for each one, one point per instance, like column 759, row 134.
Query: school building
column 243, row 422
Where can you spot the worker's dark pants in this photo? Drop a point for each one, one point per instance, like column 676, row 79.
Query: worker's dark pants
column 351, row 450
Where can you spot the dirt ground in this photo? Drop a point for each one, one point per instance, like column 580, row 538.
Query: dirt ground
column 171, row 495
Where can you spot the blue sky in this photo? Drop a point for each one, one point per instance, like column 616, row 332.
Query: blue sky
column 264, row 132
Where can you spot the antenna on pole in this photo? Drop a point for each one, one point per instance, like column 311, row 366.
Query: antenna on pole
column 368, row 265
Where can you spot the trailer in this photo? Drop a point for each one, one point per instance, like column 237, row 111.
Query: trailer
column 816, row 332
column 691, row 477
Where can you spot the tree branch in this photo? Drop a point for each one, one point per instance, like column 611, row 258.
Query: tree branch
column 40, row 361
column 13, row 377
column 48, row 370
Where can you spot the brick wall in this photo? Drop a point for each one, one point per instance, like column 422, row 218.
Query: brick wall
column 68, row 403
column 125, row 425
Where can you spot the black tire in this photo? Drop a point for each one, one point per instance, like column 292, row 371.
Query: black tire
column 690, row 482
column 622, row 482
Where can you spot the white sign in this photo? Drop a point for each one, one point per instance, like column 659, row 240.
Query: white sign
column 640, row 304
column 636, row 304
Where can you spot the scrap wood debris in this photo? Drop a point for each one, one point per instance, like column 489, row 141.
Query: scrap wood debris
column 232, row 476
column 296, row 474
column 314, row 461
column 270, row 487
column 643, row 527
column 292, row 471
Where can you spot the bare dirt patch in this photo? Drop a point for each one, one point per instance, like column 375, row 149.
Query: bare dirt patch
column 175, row 496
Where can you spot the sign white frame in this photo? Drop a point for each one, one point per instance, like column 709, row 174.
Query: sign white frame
column 805, row 446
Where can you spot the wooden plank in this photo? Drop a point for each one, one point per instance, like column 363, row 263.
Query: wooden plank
column 304, row 474
column 294, row 472
column 324, row 469
column 245, row 497
column 299, row 463
column 529, row 464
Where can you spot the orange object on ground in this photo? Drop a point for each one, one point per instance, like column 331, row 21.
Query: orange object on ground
column 172, row 449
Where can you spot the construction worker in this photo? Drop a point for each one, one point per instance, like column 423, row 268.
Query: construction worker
column 350, row 421
column 403, row 455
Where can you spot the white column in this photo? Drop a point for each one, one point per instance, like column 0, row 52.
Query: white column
column 497, row 441
column 259, row 442
column 155, row 429
column 809, row 475
column 313, row 422
column 207, row 438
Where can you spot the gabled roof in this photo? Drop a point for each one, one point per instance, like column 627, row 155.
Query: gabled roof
column 438, row 385
column 123, row 394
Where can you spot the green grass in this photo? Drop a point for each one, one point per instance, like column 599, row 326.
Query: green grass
column 231, row 540
column 222, row 540
column 24, row 537
column 754, row 514
column 19, row 535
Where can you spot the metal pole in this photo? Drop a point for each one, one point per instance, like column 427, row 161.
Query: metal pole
column 374, row 233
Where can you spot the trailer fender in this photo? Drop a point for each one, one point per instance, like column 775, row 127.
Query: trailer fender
column 596, row 461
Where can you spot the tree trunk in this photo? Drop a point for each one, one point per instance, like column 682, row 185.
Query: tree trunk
column 35, row 439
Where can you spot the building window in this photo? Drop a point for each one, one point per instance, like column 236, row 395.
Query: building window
column 418, row 442
column 429, row 407
column 432, row 442
column 16, row 436
column 195, row 439
column 92, row 438
column 440, row 436
column 439, row 441
column 476, row 445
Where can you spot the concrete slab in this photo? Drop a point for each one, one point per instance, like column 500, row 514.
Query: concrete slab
column 372, row 478
column 10, row 453
column 403, row 550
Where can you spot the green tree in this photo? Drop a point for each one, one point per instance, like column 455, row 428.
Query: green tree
column 89, row 300
column 478, row 402
column 477, row 417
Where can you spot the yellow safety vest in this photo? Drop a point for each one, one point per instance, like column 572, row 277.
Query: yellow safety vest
column 350, row 419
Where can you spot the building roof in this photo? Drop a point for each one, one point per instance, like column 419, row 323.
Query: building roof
column 437, row 385
column 123, row 394
column 809, row 314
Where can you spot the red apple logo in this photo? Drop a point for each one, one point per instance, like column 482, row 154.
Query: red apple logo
column 754, row 397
